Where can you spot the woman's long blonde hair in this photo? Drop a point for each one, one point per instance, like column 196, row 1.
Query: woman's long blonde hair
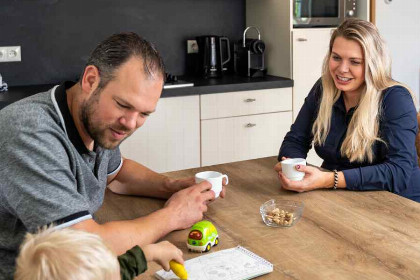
column 363, row 128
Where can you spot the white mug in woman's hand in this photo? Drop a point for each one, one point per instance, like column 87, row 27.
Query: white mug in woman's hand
column 214, row 178
column 288, row 167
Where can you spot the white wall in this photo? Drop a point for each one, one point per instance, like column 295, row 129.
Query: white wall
column 399, row 23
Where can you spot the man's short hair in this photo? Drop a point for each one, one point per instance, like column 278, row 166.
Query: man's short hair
column 65, row 254
column 119, row 48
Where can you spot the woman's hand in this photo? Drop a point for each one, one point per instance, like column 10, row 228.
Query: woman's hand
column 314, row 179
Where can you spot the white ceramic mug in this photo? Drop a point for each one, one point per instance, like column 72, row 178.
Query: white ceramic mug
column 214, row 178
column 288, row 167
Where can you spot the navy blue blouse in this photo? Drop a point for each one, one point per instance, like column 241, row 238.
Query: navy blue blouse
column 394, row 167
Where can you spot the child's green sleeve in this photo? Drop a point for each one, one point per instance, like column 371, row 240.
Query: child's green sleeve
column 132, row 263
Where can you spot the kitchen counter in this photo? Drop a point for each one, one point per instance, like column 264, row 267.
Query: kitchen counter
column 227, row 83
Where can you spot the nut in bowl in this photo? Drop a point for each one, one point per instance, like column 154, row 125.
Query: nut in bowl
column 281, row 213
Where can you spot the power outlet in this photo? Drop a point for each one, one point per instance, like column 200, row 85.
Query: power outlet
column 192, row 46
column 8, row 54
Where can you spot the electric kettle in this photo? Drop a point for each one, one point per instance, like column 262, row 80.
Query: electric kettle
column 213, row 55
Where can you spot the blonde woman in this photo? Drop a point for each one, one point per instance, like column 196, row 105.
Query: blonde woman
column 361, row 122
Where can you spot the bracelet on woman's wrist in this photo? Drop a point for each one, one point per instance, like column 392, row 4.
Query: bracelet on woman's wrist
column 335, row 179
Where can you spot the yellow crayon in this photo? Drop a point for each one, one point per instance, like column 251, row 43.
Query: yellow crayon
column 178, row 269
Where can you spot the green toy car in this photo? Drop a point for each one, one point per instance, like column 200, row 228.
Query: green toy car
column 203, row 235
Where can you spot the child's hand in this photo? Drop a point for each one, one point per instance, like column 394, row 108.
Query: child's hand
column 162, row 253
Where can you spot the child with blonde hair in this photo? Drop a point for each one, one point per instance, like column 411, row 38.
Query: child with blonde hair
column 69, row 254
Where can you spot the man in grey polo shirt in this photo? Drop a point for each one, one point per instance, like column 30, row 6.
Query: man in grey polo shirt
column 59, row 151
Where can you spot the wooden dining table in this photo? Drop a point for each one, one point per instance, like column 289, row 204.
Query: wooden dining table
column 341, row 235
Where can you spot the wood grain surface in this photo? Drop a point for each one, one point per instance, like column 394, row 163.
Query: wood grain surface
column 341, row 235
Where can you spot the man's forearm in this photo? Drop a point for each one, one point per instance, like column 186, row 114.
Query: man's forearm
column 183, row 209
column 121, row 236
column 136, row 179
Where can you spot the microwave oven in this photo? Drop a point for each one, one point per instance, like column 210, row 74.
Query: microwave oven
column 322, row 13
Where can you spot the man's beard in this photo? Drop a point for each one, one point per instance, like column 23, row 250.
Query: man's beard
column 96, row 129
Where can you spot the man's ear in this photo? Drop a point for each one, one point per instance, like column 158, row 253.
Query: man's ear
column 91, row 79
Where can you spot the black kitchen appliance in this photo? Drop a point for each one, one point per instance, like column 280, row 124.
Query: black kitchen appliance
column 213, row 55
column 249, row 56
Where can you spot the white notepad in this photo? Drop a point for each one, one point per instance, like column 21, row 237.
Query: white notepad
column 231, row 264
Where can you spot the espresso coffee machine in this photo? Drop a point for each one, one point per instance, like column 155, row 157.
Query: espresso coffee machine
column 249, row 56
column 213, row 55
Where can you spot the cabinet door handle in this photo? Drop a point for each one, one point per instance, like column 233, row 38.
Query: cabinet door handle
column 250, row 100
column 250, row 125
column 302, row 39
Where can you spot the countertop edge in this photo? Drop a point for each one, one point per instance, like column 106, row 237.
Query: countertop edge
column 210, row 89
column 227, row 84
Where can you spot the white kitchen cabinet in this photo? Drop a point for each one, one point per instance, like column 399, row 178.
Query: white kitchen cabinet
column 170, row 138
column 244, row 129
column 309, row 49
column 242, row 103
column 241, row 138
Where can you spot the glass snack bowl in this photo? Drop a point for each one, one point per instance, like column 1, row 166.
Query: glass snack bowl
column 281, row 213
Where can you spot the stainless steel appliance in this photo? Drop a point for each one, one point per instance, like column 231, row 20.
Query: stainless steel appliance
column 322, row 13
column 172, row 81
column 212, row 57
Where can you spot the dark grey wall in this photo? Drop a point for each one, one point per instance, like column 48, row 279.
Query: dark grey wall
column 57, row 36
